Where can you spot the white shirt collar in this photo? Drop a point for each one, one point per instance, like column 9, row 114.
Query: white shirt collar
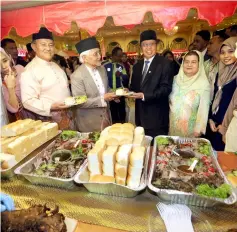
column 150, row 59
column 204, row 52
column 42, row 61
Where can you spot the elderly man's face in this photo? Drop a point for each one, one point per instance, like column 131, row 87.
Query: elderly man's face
column 44, row 49
column 93, row 58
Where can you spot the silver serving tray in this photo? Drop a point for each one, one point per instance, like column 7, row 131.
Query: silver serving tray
column 180, row 197
column 9, row 173
column 45, row 180
column 112, row 189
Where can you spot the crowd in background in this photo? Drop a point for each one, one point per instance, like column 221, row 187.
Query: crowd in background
column 202, row 99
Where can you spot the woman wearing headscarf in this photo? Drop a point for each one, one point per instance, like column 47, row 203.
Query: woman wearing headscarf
column 224, row 88
column 170, row 56
column 190, row 98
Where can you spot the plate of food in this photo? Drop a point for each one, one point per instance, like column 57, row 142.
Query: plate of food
column 35, row 218
column 123, row 92
column 186, row 171
column 77, row 100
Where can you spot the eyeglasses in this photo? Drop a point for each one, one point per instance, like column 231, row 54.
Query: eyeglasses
column 146, row 45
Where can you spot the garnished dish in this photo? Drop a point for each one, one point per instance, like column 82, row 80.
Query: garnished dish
column 65, row 157
column 77, row 100
column 37, row 218
column 188, row 167
column 122, row 92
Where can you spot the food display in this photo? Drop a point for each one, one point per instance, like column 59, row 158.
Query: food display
column 122, row 92
column 64, row 158
column 188, row 167
column 77, row 100
column 24, row 136
column 36, row 218
column 115, row 158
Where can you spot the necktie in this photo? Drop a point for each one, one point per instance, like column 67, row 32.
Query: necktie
column 145, row 69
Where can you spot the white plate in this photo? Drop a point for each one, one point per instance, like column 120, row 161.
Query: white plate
column 71, row 224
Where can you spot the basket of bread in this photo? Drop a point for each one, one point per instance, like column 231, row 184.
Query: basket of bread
column 20, row 138
column 117, row 164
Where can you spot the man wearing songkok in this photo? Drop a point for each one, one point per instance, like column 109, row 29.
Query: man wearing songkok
column 90, row 79
column 44, row 85
column 152, row 83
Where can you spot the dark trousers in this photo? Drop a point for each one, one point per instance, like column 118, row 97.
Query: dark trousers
column 117, row 110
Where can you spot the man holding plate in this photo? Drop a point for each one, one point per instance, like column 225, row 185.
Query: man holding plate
column 152, row 80
column 44, row 85
column 90, row 79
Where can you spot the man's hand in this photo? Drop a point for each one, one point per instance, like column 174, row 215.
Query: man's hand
column 59, row 106
column 110, row 96
column 137, row 96
column 213, row 125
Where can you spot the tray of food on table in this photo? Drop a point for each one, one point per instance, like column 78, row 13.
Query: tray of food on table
column 117, row 165
column 21, row 138
column 57, row 164
column 186, row 171
column 36, row 218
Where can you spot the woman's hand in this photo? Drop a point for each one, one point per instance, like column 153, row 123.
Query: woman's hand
column 10, row 79
column 110, row 96
column 213, row 125
column 59, row 106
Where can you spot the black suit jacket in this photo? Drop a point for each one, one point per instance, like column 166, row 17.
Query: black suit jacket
column 153, row 112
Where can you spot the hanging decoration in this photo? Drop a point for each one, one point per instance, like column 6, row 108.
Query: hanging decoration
column 91, row 15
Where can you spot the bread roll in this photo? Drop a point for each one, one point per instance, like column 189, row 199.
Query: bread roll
column 20, row 147
column 139, row 131
column 112, row 141
column 133, row 182
column 120, row 180
column 105, row 132
column 51, row 130
column 16, row 128
column 109, row 155
column 121, row 170
column 5, row 142
column 129, row 125
column 7, row 161
column 94, row 161
column 100, row 145
column 138, row 140
column 122, row 156
column 108, row 170
column 116, row 125
column 134, row 171
column 101, row 179
column 137, row 157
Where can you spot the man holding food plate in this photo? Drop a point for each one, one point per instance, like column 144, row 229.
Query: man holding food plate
column 44, row 85
column 152, row 80
column 91, row 80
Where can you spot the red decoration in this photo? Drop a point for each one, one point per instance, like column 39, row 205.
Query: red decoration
column 92, row 15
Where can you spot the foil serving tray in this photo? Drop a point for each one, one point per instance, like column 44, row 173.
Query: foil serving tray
column 23, row 170
column 113, row 189
column 9, row 173
column 175, row 196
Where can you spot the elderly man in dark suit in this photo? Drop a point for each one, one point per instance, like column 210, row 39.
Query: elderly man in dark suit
column 152, row 80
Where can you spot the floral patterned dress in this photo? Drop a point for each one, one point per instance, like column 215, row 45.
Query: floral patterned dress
column 188, row 111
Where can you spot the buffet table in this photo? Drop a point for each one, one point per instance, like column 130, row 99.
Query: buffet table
column 128, row 214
